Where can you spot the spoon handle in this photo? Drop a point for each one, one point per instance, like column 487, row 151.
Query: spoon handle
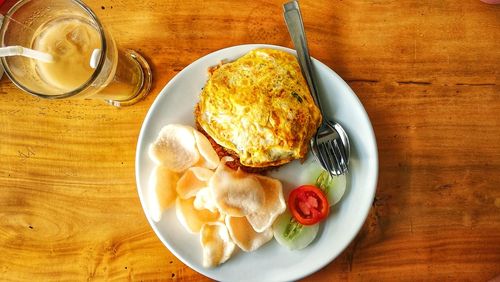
column 293, row 20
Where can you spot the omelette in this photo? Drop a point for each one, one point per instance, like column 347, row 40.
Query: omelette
column 259, row 108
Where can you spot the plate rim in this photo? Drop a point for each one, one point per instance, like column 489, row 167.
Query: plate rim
column 172, row 81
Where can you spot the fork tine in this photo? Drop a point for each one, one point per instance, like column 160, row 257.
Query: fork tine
column 320, row 158
column 343, row 157
column 334, row 161
column 338, row 151
column 317, row 153
column 336, row 157
column 328, row 159
column 324, row 157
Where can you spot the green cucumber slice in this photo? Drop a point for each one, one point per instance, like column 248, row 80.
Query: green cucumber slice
column 334, row 187
column 291, row 234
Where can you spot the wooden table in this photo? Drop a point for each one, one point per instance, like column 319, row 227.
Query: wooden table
column 426, row 71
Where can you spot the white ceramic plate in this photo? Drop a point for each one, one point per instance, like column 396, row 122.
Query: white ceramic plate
column 271, row 262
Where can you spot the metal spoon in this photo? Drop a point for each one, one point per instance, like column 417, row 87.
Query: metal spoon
column 330, row 145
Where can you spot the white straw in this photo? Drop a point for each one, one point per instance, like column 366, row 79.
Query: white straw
column 94, row 58
column 26, row 52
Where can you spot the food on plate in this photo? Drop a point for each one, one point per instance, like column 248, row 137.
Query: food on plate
column 294, row 235
column 236, row 193
column 308, row 204
column 209, row 158
column 274, row 204
column 216, row 243
column 193, row 179
column 161, row 190
column 291, row 234
column 209, row 202
column 333, row 186
column 191, row 218
column 243, row 234
column 205, row 200
column 175, row 148
column 259, row 109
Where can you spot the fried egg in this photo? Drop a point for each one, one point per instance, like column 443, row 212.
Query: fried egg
column 260, row 108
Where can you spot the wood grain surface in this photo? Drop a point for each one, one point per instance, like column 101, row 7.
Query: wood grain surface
column 426, row 72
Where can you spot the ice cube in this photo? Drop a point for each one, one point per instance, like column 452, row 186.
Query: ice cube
column 79, row 37
column 61, row 47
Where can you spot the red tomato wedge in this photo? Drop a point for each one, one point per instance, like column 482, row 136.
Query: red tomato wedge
column 308, row 204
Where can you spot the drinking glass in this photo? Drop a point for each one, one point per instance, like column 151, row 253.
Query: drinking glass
column 87, row 63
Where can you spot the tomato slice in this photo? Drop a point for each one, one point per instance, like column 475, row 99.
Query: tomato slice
column 308, row 204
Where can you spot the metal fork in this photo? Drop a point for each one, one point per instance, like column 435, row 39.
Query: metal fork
column 330, row 145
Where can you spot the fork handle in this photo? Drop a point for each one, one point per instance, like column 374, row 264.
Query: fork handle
column 293, row 20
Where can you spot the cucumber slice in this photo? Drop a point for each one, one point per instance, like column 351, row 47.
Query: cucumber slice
column 334, row 187
column 291, row 234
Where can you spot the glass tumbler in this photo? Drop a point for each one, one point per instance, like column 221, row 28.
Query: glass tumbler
column 86, row 61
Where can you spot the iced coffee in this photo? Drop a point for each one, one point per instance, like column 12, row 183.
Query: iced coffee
column 87, row 63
